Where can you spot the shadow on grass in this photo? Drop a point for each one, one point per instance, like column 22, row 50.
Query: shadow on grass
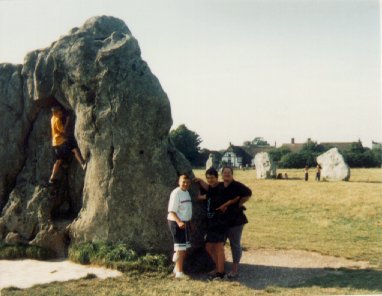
column 260, row 277
column 372, row 182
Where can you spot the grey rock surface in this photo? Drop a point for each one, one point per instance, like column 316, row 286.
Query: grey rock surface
column 265, row 167
column 334, row 167
column 122, row 120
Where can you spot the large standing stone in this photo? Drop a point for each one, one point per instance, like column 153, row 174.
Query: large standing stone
column 122, row 120
column 265, row 167
column 333, row 166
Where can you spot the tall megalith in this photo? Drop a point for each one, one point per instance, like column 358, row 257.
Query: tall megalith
column 122, row 120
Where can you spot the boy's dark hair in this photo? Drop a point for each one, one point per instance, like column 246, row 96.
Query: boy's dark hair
column 212, row 172
column 229, row 168
column 57, row 108
column 184, row 176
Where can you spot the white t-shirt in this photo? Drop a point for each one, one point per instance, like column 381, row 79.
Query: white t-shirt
column 180, row 203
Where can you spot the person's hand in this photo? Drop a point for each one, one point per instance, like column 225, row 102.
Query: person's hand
column 181, row 225
column 196, row 180
column 202, row 197
column 222, row 208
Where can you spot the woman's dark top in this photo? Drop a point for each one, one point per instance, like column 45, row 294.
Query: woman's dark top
column 235, row 215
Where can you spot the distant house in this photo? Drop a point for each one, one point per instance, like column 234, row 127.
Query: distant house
column 296, row 147
column 292, row 146
column 339, row 145
column 236, row 156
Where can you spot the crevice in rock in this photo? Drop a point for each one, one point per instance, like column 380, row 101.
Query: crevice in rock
column 111, row 156
column 101, row 38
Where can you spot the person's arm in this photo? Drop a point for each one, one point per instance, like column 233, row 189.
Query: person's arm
column 180, row 223
column 67, row 124
column 243, row 200
column 201, row 197
column 245, row 194
column 201, row 182
column 224, row 206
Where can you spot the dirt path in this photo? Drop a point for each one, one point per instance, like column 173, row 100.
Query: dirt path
column 261, row 268
column 27, row 273
column 258, row 269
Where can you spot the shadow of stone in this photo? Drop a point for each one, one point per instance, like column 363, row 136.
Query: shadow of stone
column 259, row 277
column 371, row 182
column 370, row 279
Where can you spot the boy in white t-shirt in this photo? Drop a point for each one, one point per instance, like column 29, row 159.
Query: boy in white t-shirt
column 179, row 216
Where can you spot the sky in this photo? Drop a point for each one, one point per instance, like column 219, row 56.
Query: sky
column 238, row 69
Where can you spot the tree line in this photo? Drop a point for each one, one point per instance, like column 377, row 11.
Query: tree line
column 356, row 156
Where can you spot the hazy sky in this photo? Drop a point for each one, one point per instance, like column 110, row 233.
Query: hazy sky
column 238, row 69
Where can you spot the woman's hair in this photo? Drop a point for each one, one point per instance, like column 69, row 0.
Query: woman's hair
column 229, row 168
column 212, row 172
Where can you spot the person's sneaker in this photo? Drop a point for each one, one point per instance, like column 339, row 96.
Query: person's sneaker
column 175, row 257
column 181, row 276
column 84, row 165
column 232, row 276
column 218, row 276
column 52, row 181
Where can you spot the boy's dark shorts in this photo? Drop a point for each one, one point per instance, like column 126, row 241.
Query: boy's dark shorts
column 64, row 150
column 216, row 230
column 181, row 237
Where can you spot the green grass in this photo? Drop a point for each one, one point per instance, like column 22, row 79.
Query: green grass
column 339, row 219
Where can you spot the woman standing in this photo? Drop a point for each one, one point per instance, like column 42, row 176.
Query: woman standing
column 235, row 217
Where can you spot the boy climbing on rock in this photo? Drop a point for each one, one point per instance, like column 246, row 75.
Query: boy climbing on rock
column 63, row 143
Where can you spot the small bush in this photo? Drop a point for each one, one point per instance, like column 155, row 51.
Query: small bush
column 118, row 256
column 8, row 251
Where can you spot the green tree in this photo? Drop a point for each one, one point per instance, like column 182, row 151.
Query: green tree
column 259, row 141
column 278, row 153
column 312, row 147
column 293, row 160
column 187, row 142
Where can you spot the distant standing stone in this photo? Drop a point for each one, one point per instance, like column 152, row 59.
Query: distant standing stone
column 212, row 161
column 265, row 167
column 333, row 166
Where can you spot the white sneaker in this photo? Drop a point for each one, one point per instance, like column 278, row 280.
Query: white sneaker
column 181, row 275
column 175, row 257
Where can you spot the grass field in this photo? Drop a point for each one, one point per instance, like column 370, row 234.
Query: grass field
column 341, row 219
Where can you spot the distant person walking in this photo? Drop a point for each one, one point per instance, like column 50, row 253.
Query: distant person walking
column 318, row 173
column 64, row 144
column 306, row 172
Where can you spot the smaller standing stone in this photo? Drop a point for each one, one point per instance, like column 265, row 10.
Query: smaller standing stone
column 333, row 166
column 212, row 161
column 265, row 167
